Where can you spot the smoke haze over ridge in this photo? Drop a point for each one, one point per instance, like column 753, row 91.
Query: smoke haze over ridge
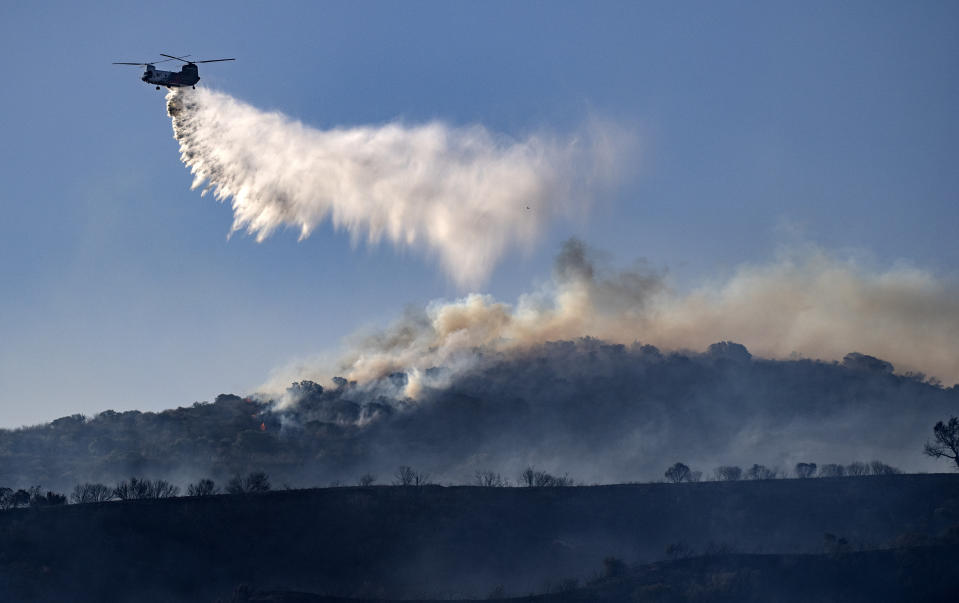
column 805, row 303
column 464, row 194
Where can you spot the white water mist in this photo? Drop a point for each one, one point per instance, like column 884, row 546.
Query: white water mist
column 462, row 193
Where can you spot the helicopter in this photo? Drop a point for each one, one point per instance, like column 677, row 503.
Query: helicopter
column 187, row 76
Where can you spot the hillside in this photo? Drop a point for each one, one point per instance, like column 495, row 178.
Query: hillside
column 598, row 411
column 437, row 542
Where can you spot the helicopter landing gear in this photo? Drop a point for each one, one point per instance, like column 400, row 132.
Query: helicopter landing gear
column 158, row 87
column 194, row 87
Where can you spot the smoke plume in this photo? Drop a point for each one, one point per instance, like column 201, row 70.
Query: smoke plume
column 806, row 303
column 463, row 194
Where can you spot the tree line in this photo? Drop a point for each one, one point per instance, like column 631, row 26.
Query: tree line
column 945, row 445
column 680, row 472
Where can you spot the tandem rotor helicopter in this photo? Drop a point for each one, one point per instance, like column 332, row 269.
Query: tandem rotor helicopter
column 188, row 75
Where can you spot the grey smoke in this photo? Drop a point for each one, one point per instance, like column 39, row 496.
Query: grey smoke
column 805, row 303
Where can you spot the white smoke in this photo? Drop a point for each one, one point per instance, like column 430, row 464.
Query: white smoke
column 464, row 194
column 806, row 303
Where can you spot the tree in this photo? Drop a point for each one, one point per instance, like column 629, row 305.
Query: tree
column 728, row 473
column 39, row 499
column 162, row 489
column 91, row 493
column 947, row 441
column 6, row 498
column 488, row 479
column 132, row 489
column 677, row 473
column 804, row 470
column 140, row 489
column 367, row 479
column 857, row 469
column 256, row 482
column 532, row 478
column 204, row 487
column 832, row 470
column 880, row 468
column 406, row 476
column 760, row 472
column 235, row 485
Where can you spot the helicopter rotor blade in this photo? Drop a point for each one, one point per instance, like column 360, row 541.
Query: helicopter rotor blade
column 141, row 64
column 177, row 58
column 213, row 61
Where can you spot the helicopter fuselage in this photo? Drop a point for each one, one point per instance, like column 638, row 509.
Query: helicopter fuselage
column 187, row 76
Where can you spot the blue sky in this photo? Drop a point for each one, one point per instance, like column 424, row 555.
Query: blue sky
column 755, row 121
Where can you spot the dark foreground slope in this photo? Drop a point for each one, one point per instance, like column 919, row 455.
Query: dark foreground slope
column 438, row 542
column 915, row 573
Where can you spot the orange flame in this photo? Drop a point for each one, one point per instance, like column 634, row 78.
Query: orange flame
column 262, row 426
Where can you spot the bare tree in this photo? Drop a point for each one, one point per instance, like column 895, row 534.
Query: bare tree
column 947, row 441
column 406, row 476
column 204, row 487
column 367, row 479
column 532, row 478
column 804, row 470
column 139, row 489
column 678, row 473
column 880, row 468
column 91, row 493
column 162, row 489
column 489, row 479
column 235, row 485
column 857, row 469
column 125, row 490
column 760, row 472
column 257, row 482
column 728, row 473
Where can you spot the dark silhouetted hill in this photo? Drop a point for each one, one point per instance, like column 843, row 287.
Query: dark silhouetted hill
column 437, row 542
